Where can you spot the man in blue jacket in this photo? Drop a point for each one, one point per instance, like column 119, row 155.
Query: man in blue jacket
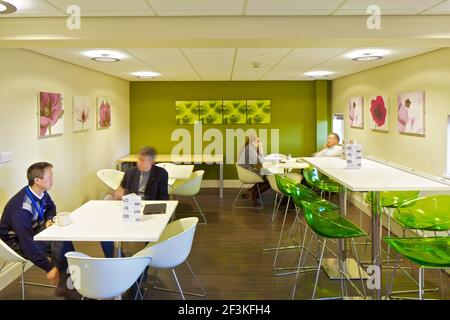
column 29, row 212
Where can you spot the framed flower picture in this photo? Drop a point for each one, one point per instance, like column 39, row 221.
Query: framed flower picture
column 411, row 113
column 81, row 113
column 379, row 113
column 50, row 114
column 356, row 112
column 103, row 113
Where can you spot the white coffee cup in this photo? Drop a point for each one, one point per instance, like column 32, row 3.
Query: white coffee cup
column 62, row 219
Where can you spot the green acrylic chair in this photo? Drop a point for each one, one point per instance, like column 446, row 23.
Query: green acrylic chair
column 392, row 199
column 430, row 213
column 324, row 220
column 319, row 181
column 428, row 253
column 285, row 185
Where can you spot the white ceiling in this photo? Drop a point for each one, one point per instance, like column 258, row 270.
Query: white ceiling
column 224, row 64
column 51, row 8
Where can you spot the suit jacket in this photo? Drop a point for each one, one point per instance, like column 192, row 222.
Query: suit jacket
column 156, row 188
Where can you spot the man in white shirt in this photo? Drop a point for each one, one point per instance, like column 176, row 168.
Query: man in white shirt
column 332, row 147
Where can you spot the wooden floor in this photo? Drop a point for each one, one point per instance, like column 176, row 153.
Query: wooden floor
column 228, row 258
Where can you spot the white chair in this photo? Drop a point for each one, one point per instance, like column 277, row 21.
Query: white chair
column 104, row 278
column 247, row 177
column 168, row 166
column 10, row 256
column 190, row 188
column 171, row 250
column 112, row 178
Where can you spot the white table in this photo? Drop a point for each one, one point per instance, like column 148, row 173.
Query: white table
column 376, row 177
column 274, row 167
column 180, row 171
column 101, row 220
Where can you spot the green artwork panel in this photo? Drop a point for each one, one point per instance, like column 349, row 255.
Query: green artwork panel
column 210, row 112
column 234, row 111
column 258, row 111
column 186, row 112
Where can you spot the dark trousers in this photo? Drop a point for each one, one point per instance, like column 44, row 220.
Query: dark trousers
column 108, row 249
column 56, row 250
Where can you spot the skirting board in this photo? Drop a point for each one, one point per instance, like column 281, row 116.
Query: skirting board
column 10, row 273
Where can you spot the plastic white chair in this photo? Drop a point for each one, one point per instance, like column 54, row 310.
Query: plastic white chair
column 104, row 278
column 248, row 177
column 171, row 250
column 190, row 188
column 273, row 185
column 112, row 178
column 10, row 256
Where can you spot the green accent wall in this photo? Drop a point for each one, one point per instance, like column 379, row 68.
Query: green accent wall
column 323, row 112
column 152, row 113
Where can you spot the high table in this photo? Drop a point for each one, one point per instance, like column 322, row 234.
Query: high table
column 279, row 167
column 376, row 177
column 187, row 159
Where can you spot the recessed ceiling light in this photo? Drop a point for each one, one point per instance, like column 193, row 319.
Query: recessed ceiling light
column 367, row 54
column 104, row 55
column 7, row 8
column 318, row 74
column 145, row 74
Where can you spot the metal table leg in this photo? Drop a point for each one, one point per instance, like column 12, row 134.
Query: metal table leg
column 350, row 266
column 221, row 179
column 118, row 254
column 376, row 244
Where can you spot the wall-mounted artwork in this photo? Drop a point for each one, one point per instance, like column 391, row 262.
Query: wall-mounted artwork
column 210, row 112
column 411, row 112
column 186, row 112
column 234, row 111
column 356, row 112
column 258, row 111
column 379, row 113
column 103, row 113
column 51, row 114
column 81, row 113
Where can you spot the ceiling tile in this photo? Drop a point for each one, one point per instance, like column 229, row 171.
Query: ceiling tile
column 212, row 64
column 442, row 8
column 265, row 59
column 301, row 60
column 107, row 7
column 169, row 62
column 291, row 7
column 359, row 7
column 196, row 7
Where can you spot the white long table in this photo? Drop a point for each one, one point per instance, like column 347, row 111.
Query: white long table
column 101, row 220
column 376, row 177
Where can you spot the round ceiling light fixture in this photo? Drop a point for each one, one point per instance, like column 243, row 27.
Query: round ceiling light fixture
column 145, row 74
column 104, row 55
column 368, row 54
column 318, row 74
column 7, row 8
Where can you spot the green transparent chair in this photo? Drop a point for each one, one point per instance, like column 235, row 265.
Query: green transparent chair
column 430, row 213
column 319, row 181
column 325, row 221
column 284, row 184
column 426, row 213
column 427, row 252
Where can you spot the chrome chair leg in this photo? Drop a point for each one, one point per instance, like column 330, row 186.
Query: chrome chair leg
column 281, row 232
column 318, row 268
column 22, row 281
column 178, row 283
column 200, row 209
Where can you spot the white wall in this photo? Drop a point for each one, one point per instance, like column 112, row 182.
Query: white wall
column 429, row 72
column 76, row 156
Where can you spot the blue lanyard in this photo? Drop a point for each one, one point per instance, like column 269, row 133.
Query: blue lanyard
column 40, row 210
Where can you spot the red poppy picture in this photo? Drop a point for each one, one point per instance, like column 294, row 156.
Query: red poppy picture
column 379, row 114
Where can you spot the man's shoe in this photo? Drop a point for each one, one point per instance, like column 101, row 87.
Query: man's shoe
column 68, row 294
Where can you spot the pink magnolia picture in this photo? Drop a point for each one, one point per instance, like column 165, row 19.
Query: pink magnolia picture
column 51, row 114
column 356, row 112
column 81, row 113
column 411, row 112
column 103, row 113
column 379, row 113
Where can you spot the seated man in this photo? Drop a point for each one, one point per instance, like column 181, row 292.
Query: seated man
column 146, row 179
column 29, row 212
column 332, row 148
column 251, row 158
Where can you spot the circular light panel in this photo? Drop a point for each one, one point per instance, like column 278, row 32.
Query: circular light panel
column 104, row 55
column 145, row 74
column 318, row 74
column 7, row 8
